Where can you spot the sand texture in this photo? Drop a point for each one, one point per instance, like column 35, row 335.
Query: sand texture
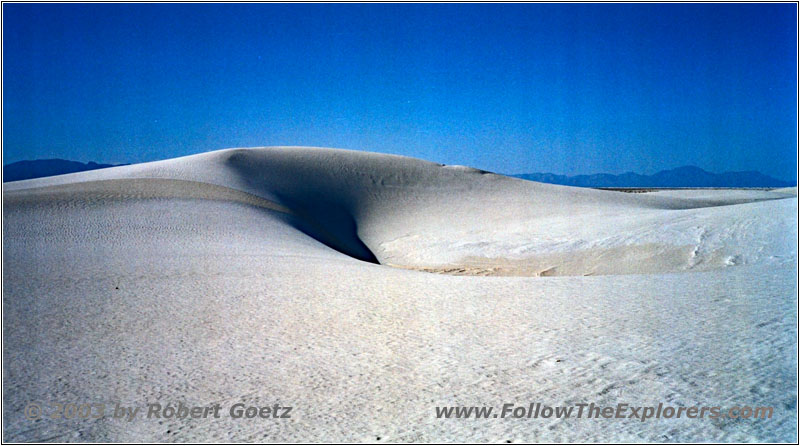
column 366, row 289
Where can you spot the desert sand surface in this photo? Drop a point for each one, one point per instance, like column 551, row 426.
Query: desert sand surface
column 366, row 289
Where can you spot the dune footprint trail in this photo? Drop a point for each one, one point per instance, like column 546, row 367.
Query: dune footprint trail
column 301, row 276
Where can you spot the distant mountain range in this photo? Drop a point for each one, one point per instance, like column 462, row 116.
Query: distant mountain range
column 687, row 176
column 25, row 170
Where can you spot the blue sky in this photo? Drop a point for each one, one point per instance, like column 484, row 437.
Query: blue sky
column 562, row 88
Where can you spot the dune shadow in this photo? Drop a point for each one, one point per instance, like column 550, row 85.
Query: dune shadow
column 321, row 210
column 329, row 224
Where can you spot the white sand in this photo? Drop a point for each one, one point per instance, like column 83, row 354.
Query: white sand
column 239, row 281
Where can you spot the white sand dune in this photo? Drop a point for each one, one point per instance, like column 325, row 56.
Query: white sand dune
column 301, row 276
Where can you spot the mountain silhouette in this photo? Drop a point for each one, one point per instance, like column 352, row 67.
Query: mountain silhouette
column 686, row 176
column 25, row 170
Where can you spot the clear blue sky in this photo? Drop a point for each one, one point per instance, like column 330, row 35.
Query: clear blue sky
column 559, row 88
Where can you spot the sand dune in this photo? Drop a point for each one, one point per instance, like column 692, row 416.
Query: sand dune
column 303, row 275
column 414, row 214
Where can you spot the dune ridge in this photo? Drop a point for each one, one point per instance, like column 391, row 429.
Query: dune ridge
column 420, row 215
